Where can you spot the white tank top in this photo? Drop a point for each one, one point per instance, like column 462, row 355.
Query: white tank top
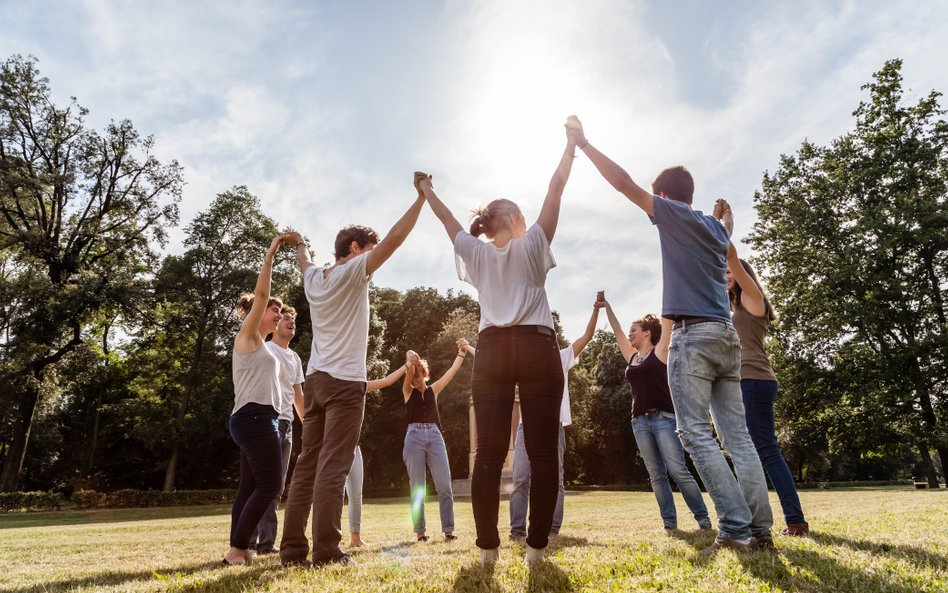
column 256, row 378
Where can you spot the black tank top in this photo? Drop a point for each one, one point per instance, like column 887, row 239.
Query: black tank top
column 423, row 407
column 649, row 383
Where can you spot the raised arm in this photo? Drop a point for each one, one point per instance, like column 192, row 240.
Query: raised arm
column 621, row 339
column 376, row 384
column 613, row 173
column 411, row 360
column 451, row 224
column 441, row 383
column 752, row 298
column 661, row 349
column 584, row 339
column 550, row 212
column 299, row 245
column 395, row 237
column 248, row 338
column 463, row 344
column 722, row 211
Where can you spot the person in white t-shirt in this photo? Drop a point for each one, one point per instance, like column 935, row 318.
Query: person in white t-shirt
column 291, row 388
column 516, row 348
column 521, row 462
column 334, row 392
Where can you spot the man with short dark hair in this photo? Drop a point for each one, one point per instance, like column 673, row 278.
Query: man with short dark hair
column 334, row 392
column 704, row 358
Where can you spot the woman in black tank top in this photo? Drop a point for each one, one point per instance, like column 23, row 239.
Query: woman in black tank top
column 424, row 444
column 653, row 415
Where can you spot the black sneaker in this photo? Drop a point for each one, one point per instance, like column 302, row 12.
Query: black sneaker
column 342, row 558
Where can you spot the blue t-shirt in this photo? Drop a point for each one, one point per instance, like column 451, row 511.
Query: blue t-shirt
column 694, row 261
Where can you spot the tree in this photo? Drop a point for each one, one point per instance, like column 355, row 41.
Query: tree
column 853, row 239
column 80, row 215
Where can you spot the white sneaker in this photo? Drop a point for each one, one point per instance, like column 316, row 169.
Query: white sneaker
column 489, row 556
column 534, row 555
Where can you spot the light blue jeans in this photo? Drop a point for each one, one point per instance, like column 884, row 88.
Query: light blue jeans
column 354, row 492
column 424, row 445
column 520, row 495
column 704, row 363
column 663, row 456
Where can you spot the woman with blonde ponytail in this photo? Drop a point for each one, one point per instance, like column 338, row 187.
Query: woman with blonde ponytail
column 516, row 350
column 257, row 403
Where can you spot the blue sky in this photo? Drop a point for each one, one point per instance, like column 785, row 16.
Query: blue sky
column 325, row 109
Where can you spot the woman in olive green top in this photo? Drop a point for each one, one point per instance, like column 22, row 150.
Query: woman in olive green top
column 752, row 315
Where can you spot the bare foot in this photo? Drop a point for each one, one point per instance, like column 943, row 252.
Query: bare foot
column 237, row 556
column 356, row 541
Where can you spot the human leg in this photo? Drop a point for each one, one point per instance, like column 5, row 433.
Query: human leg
column 264, row 535
column 256, row 433
column 294, row 546
column 441, row 476
column 414, row 453
column 647, row 442
column 673, row 456
column 344, row 402
column 354, row 494
column 759, row 397
column 521, row 487
column 561, row 495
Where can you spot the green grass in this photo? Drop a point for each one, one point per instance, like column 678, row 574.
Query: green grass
column 890, row 540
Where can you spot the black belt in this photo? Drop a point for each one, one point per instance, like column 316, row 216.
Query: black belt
column 685, row 321
column 519, row 329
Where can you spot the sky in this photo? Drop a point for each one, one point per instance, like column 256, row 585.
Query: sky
column 325, row 109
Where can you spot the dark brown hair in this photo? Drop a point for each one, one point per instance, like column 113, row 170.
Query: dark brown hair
column 493, row 217
column 362, row 235
column 650, row 324
column 289, row 310
column 735, row 293
column 245, row 303
column 675, row 183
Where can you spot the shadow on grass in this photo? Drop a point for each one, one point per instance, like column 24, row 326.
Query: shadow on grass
column 546, row 576
column 476, row 579
column 917, row 556
column 698, row 540
column 569, row 541
column 111, row 578
column 820, row 570
column 64, row 518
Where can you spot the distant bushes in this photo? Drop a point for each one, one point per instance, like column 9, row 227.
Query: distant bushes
column 13, row 502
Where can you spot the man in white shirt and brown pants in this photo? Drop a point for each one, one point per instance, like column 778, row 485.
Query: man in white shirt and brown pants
column 334, row 392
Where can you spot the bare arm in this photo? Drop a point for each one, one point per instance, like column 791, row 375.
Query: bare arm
column 299, row 246
column 410, row 365
column 248, row 338
column 395, row 237
column 613, row 173
column 376, row 384
column 550, row 212
column 752, row 298
column 463, row 344
column 298, row 400
column 451, row 224
column 661, row 349
column 441, row 383
column 580, row 343
column 722, row 211
column 621, row 339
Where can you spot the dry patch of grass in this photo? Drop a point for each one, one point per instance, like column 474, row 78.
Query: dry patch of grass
column 885, row 540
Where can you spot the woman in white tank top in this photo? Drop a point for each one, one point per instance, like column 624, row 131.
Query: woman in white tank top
column 257, row 400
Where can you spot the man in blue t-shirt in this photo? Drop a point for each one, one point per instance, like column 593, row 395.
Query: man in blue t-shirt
column 704, row 359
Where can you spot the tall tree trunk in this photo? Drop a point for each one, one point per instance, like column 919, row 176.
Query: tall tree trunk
column 90, row 460
column 943, row 457
column 928, row 465
column 183, row 409
column 16, row 452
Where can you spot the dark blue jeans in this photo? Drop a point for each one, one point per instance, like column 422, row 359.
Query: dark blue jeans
column 524, row 358
column 254, row 429
column 759, row 399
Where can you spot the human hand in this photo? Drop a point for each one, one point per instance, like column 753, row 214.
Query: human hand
column 293, row 238
column 422, row 182
column 721, row 207
column 463, row 344
column 275, row 244
column 574, row 131
column 600, row 300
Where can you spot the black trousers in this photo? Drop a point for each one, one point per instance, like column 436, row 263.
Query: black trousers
column 524, row 358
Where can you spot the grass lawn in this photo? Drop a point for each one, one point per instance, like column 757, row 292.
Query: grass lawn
column 891, row 540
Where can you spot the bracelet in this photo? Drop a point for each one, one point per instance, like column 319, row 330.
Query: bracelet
column 461, row 355
column 584, row 145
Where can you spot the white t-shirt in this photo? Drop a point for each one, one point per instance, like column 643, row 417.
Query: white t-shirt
column 291, row 373
column 339, row 307
column 509, row 280
column 569, row 360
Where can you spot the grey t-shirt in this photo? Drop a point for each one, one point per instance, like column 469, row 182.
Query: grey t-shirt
column 694, row 261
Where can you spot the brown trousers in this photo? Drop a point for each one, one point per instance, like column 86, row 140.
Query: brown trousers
column 332, row 423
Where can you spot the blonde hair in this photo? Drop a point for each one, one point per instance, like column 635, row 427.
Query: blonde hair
column 245, row 303
column 493, row 217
